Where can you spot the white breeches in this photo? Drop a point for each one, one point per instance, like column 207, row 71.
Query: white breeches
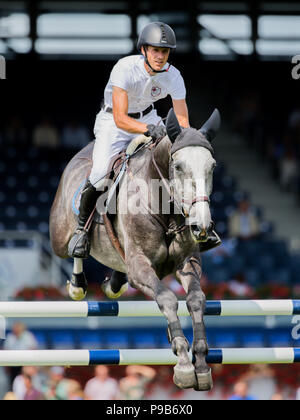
column 110, row 140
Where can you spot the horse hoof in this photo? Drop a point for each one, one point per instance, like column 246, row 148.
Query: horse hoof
column 184, row 378
column 77, row 287
column 75, row 293
column 204, row 381
column 107, row 290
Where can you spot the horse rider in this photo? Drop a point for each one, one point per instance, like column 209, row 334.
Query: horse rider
column 135, row 83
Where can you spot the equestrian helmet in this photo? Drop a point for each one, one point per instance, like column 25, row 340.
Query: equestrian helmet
column 157, row 34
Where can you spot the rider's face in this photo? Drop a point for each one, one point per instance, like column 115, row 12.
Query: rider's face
column 157, row 56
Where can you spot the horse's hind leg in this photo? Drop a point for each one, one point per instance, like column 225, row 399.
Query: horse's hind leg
column 143, row 277
column 189, row 275
column 77, row 287
column 115, row 285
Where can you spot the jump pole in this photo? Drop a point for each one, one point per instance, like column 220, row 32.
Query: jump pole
column 66, row 309
column 143, row 357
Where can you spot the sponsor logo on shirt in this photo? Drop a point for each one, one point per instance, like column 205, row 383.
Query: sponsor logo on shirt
column 155, row 91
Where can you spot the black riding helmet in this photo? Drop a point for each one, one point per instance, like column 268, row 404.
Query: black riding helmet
column 156, row 34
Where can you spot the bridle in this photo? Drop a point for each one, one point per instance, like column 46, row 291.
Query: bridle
column 197, row 199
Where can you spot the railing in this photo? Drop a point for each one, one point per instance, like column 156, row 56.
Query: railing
column 59, row 270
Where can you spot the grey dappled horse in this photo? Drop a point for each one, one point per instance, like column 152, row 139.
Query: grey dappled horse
column 151, row 253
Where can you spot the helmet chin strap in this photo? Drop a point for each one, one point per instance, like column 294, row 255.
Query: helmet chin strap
column 148, row 64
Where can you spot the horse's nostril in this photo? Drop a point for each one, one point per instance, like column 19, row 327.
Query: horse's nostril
column 199, row 233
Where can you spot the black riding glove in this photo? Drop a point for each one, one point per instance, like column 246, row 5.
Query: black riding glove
column 155, row 131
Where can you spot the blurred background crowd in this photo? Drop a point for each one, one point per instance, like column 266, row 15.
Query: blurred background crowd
column 255, row 382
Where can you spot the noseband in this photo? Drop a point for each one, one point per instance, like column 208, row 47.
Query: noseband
column 200, row 198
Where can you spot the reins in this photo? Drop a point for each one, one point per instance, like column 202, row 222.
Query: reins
column 170, row 230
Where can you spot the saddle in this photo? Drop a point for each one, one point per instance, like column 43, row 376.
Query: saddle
column 116, row 171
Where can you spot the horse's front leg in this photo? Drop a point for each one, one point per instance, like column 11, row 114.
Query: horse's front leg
column 142, row 276
column 77, row 286
column 189, row 275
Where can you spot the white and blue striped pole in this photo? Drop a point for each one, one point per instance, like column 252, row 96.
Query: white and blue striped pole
column 143, row 357
column 65, row 309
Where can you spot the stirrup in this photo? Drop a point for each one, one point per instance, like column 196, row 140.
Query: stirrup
column 80, row 244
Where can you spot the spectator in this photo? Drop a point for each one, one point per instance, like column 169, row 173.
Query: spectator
column 294, row 119
column 4, row 382
column 102, row 386
column 261, row 381
column 221, row 253
column 19, row 339
column 288, row 171
column 75, row 136
column 45, row 135
column 15, row 134
column 31, row 394
column 241, row 392
column 163, row 387
column 57, row 387
column 243, row 223
column 19, row 385
column 275, row 152
column 75, row 392
column 10, row 396
column 238, row 285
column 277, row 397
column 134, row 385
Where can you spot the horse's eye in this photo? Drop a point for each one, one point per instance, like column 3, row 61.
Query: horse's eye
column 178, row 167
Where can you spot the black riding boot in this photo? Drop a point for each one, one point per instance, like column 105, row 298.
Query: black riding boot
column 213, row 240
column 79, row 245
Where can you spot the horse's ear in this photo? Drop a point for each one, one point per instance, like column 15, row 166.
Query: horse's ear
column 172, row 125
column 212, row 125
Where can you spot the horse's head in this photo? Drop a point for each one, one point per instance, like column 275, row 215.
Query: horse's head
column 191, row 171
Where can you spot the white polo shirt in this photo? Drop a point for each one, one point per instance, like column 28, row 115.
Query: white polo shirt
column 130, row 74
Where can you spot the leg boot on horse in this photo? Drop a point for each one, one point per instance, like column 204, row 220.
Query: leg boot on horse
column 115, row 285
column 77, row 286
column 79, row 245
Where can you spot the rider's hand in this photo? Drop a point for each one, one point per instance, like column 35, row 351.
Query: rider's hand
column 155, row 131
